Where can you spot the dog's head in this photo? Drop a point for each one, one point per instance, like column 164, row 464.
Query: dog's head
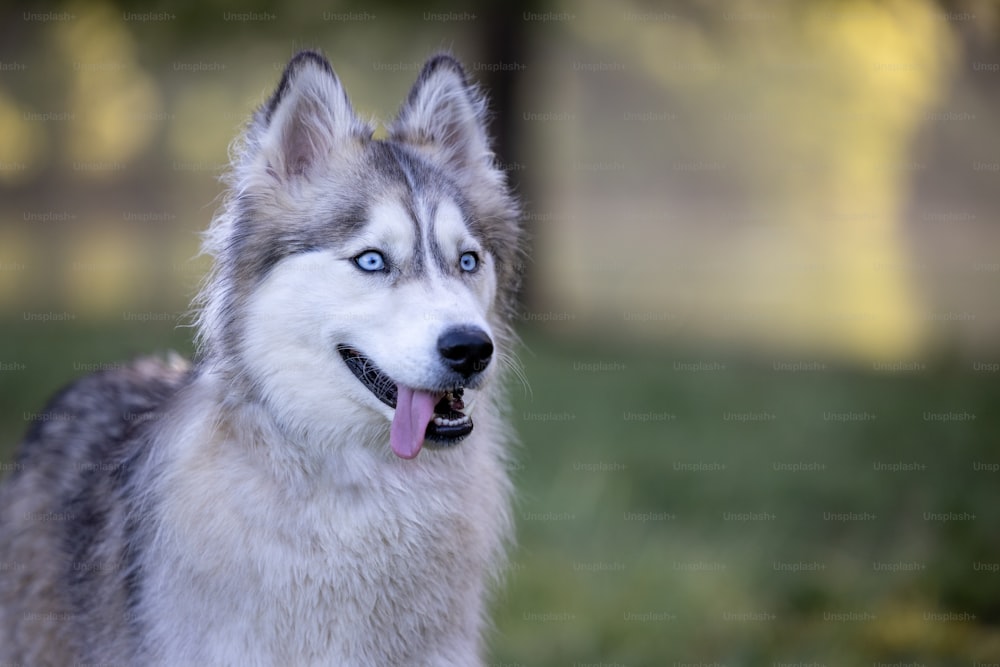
column 364, row 277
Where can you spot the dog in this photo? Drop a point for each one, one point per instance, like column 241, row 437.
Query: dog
column 326, row 484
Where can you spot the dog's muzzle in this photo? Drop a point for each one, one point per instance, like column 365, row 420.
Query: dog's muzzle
column 466, row 352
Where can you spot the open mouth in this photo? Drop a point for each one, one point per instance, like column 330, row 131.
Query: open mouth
column 432, row 417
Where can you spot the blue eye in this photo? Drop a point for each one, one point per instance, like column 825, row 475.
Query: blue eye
column 469, row 261
column 370, row 260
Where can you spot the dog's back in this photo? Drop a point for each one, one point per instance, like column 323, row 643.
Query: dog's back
column 58, row 504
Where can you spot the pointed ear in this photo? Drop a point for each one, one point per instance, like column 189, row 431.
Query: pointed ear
column 307, row 119
column 443, row 117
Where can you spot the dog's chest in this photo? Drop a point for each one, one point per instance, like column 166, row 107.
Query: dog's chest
column 358, row 576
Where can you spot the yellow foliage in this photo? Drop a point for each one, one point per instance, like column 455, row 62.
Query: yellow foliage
column 113, row 99
column 24, row 142
column 811, row 109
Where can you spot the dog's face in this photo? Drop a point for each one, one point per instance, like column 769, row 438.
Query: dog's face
column 366, row 277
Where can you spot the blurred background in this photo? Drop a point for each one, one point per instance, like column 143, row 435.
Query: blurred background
column 759, row 418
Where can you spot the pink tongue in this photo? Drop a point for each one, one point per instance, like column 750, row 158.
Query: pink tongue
column 414, row 410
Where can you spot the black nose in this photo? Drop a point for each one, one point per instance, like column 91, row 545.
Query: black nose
column 465, row 350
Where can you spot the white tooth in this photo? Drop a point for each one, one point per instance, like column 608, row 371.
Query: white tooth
column 442, row 421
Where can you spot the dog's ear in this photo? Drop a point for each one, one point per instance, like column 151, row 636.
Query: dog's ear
column 444, row 118
column 307, row 119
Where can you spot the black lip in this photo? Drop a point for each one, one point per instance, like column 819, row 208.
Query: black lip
column 384, row 389
column 370, row 375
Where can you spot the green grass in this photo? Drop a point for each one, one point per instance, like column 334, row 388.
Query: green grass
column 639, row 470
column 633, row 489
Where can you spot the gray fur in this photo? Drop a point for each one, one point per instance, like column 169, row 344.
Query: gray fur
column 97, row 564
column 64, row 517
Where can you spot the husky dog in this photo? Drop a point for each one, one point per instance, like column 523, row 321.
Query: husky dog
column 326, row 484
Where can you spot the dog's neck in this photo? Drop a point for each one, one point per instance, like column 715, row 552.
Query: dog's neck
column 296, row 454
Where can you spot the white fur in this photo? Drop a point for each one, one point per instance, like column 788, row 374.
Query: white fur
column 362, row 560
